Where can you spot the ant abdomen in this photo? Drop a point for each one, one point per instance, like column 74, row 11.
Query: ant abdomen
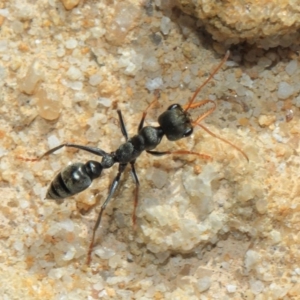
column 73, row 179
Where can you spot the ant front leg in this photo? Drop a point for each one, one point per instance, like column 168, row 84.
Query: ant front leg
column 141, row 125
column 122, row 125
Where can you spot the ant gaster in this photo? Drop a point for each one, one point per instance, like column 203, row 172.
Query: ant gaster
column 175, row 123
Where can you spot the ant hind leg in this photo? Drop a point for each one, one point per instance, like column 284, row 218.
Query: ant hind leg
column 93, row 150
column 112, row 190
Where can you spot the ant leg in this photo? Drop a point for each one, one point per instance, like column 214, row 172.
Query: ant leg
column 180, row 152
column 136, row 193
column 112, row 190
column 141, row 125
column 122, row 124
column 93, row 150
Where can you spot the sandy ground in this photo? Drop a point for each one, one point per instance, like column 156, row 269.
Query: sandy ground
column 222, row 228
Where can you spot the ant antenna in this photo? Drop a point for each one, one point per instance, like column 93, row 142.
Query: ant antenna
column 189, row 105
column 203, row 102
column 224, row 140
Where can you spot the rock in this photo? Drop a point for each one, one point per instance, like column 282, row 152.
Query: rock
column 266, row 120
column 285, row 90
column 122, row 21
column 33, row 76
column 266, row 23
column 48, row 104
column 70, row 4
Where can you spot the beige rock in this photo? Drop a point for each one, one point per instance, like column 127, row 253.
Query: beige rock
column 294, row 291
column 265, row 120
column 70, row 4
column 264, row 22
column 33, row 76
column 48, row 104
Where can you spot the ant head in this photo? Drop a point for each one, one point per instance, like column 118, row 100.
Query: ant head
column 175, row 123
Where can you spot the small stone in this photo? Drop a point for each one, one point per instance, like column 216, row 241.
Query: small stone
column 159, row 178
column 124, row 19
column 69, row 4
column 53, row 141
column 175, row 79
column 74, row 73
column 289, row 115
column 69, row 254
column 74, row 85
column 291, row 67
column 151, row 64
column 275, row 236
column 67, row 224
column 95, row 79
column 71, row 44
column 105, row 253
column 99, row 285
column 165, row 25
column 285, row 90
column 203, row 284
column 261, row 206
column 246, row 80
column 60, row 52
column 115, row 261
column 231, row 288
column 97, row 32
column 33, row 77
column 17, row 27
column 297, row 270
column 251, row 259
column 56, row 273
column 48, row 104
column 110, row 292
column 264, row 62
column 131, row 61
column 104, row 101
column 4, row 12
column 265, row 120
column 154, row 84
column 18, row 245
column 256, row 287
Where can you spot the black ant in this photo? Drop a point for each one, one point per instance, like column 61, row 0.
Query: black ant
column 175, row 123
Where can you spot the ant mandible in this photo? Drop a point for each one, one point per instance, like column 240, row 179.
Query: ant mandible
column 175, row 123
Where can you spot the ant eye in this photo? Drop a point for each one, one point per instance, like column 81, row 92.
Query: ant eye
column 188, row 132
column 173, row 106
